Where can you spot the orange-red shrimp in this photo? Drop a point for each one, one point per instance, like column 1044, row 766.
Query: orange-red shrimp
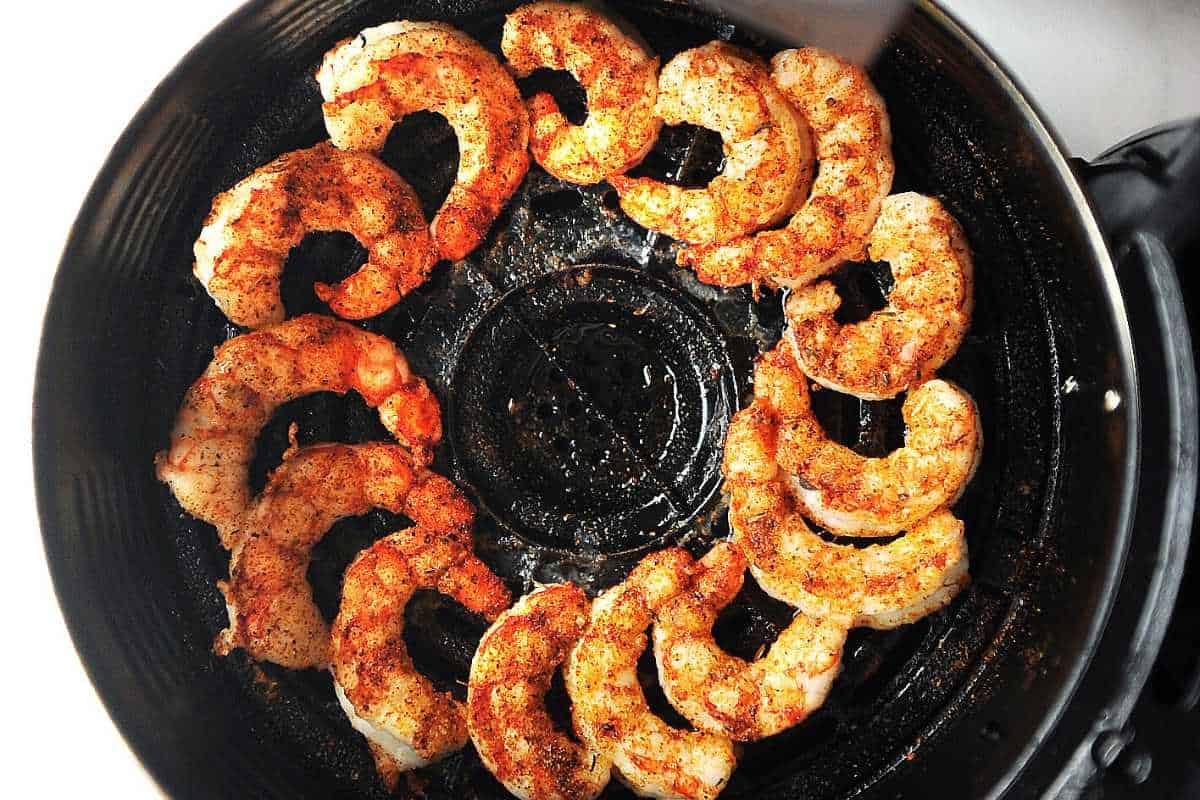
column 383, row 694
column 385, row 73
column 208, row 461
column 768, row 154
column 853, row 142
column 506, row 710
column 271, row 610
column 616, row 70
column 247, row 236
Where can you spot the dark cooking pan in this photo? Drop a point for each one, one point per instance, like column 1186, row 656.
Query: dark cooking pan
column 539, row 345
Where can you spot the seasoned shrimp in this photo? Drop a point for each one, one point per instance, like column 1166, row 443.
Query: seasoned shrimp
column 768, row 154
column 723, row 694
column 380, row 690
column 207, row 463
column 609, row 707
column 506, row 711
column 271, row 610
column 385, row 73
column 252, row 227
column 618, row 73
column 853, row 141
column 854, row 495
column 880, row 586
column 927, row 313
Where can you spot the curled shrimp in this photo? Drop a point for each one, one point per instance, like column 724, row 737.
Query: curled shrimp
column 271, row 610
column 724, row 694
column 881, row 586
column 212, row 444
column 855, row 495
column 768, row 154
column 387, row 72
column 609, row 707
column 247, row 236
column 618, row 73
column 506, row 710
column 853, row 141
column 383, row 694
column 927, row 313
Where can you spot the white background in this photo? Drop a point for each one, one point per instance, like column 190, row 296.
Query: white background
column 76, row 74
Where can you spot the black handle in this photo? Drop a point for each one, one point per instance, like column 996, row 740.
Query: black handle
column 1146, row 191
column 1150, row 184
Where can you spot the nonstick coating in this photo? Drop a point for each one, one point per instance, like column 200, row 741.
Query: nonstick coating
column 550, row 349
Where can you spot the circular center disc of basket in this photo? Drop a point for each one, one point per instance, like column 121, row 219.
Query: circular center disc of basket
column 589, row 408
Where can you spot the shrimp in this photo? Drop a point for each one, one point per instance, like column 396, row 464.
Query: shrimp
column 380, row 690
column 271, row 610
column 853, row 141
column 385, row 73
column 768, row 153
column 881, row 586
column 506, row 711
column 854, row 495
column 609, row 708
column 619, row 75
column 252, row 227
column 212, row 444
column 723, row 694
column 927, row 314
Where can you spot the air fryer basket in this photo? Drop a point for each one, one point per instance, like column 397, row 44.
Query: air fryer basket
column 586, row 384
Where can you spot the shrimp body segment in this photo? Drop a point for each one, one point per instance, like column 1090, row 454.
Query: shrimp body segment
column 854, row 495
column 880, row 586
column 385, row 697
column 271, row 610
column 609, row 707
column 726, row 695
column 619, row 75
column 246, row 239
column 387, row 72
column 768, row 153
column 853, row 141
column 506, row 711
column 213, row 442
column 927, row 314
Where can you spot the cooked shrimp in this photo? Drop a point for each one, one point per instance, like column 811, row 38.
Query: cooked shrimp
column 506, row 710
column 723, row 694
column 382, row 693
column 271, row 610
column 927, row 313
column 853, row 141
column 207, row 463
column 880, row 586
column 768, row 154
column 385, row 73
column 854, row 495
column 609, row 707
column 619, row 75
column 252, row 227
